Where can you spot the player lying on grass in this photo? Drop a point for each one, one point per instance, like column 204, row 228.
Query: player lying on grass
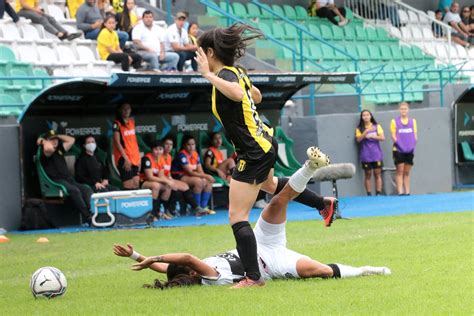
column 275, row 260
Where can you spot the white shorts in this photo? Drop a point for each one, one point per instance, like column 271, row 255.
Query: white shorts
column 275, row 260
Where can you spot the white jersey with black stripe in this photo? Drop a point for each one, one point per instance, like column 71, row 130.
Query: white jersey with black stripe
column 228, row 266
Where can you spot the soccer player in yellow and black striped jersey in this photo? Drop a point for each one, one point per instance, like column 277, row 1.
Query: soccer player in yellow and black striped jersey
column 233, row 103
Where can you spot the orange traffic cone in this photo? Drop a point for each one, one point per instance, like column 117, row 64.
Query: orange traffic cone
column 42, row 240
column 4, row 239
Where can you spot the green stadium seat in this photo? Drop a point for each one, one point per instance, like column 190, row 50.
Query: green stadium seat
column 41, row 83
column 229, row 9
column 49, row 188
column 290, row 31
column 266, row 14
column 301, row 13
column 6, row 54
column 22, row 83
column 278, row 9
column 26, row 98
column 213, row 13
column 316, row 52
column 337, row 33
column 374, row 52
column 385, row 52
column 382, row 34
column 278, row 31
column 352, row 50
column 371, row 34
column 396, row 52
column 417, row 53
column 315, row 30
column 363, row 52
column 265, row 28
column 328, row 53
column 349, row 33
column 253, row 10
column 6, row 99
column 407, row 52
column 361, row 33
column 240, row 10
column 326, row 32
column 290, row 12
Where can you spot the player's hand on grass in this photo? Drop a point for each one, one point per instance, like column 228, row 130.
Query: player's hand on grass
column 203, row 64
column 123, row 251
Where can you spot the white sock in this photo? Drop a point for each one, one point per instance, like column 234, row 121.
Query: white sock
column 300, row 178
column 348, row 271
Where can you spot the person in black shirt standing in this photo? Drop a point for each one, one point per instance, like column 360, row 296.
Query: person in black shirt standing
column 54, row 164
column 89, row 169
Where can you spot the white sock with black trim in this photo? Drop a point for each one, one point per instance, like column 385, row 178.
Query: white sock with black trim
column 301, row 177
column 348, row 271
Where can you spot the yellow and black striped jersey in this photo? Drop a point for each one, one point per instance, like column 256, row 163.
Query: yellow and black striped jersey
column 251, row 138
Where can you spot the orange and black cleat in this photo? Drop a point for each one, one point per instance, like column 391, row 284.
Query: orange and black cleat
column 328, row 213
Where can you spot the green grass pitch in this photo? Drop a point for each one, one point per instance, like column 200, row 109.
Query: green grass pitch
column 431, row 257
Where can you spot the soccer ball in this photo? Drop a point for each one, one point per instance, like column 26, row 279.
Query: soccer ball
column 48, row 282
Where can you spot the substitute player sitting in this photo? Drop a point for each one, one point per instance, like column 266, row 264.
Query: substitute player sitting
column 214, row 160
column 275, row 260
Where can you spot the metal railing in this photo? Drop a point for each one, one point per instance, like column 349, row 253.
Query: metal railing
column 405, row 22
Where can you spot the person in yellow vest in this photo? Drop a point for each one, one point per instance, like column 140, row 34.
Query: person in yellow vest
column 214, row 161
column 109, row 47
column 152, row 176
column 31, row 9
column 129, row 17
column 187, row 167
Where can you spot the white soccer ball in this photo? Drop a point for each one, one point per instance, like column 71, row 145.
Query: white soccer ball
column 48, row 282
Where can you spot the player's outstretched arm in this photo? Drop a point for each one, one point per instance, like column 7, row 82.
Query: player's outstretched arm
column 127, row 251
column 184, row 259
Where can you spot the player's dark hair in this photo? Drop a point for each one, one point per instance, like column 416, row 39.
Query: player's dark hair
column 176, row 269
column 106, row 19
column 147, row 12
column 438, row 11
column 211, row 137
column 186, row 139
column 179, row 280
column 118, row 112
column 361, row 121
column 229, row 43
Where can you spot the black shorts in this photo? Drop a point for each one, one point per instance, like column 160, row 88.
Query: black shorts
column 372, row 165
column 255, row 171
column 399, row 158
column 126, row 175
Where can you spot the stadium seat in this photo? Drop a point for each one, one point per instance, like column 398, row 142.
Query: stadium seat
column 41, row 83
column 315, row 30
column 301, row 13
column 291, row 32
column 278, row 31
column 427, row 34
column 223, row 6
column 361, row 33
column 349, row 33
column 403, row 16
column 27, row 53
column 326, row 32
column 31, row 33
column 290, row 12
column 240, row 10
column 253, row 10
column 66, row 55
column 278, row 9
column 337, row 33
column 413, row 18
column 11, row 33
column 6, row 54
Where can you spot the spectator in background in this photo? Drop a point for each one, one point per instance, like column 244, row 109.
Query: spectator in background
column 327, row 9
column 436, row 28
column 31, row 9
column 5, row 6
column 460, row 32
column 182, row 193
column 126, row 152
column 404, row 136
column 148, row 38
column 152, row 176
column 193, row 33
column 187, row 168
column 129, row 17
column 471, row 21
column 54, row 164
column 214, row 161
column 369, row 134
column 105, row 7
column 109, row 48
column 90, row 170
column 177, row 40
column 89, row 20
column 444, row 6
